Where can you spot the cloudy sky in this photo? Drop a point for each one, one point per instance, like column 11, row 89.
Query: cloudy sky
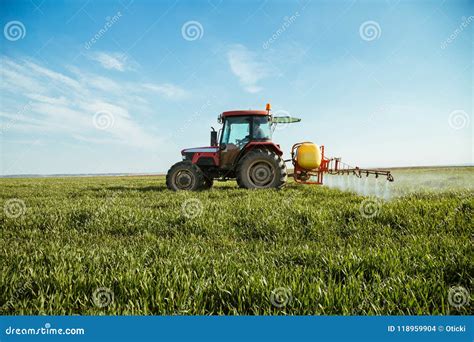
column 123, row 86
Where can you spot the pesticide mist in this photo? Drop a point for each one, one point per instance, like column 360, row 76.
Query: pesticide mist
column 407, row 181
column 365, row 186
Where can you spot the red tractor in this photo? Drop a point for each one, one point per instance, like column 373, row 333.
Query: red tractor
column 245, row 151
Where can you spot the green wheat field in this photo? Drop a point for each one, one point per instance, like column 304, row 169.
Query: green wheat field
column 127, row 245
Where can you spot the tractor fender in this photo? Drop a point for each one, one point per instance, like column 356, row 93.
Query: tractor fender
column 266, row 144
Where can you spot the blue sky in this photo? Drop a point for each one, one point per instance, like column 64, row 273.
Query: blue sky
column 123, row 86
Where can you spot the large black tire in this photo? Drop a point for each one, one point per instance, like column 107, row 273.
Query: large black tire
column 185, row 176
column 261, row 169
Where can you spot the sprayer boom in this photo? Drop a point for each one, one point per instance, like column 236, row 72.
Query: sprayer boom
column 336, row 167
column 332, row 166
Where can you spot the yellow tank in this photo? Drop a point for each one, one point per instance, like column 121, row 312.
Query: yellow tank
column 308, row 156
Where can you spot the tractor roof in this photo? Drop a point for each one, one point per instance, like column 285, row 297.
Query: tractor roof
column 244, row 112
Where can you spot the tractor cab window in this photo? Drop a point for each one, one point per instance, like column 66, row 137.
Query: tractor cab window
column 261, row 128
column 236, row 131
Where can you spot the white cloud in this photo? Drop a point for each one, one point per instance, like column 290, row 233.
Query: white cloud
column 12, row 78
column 245, row 65
column 46, row 99
column 111, row 61
column 68, row 104
column 169, row 90
column 53, row 76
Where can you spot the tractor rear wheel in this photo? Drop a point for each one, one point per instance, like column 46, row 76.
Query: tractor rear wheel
column 184, row 176
column 261, row 169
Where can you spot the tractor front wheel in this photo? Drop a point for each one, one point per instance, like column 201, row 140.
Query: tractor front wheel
column 261, row 169
column 184, row 176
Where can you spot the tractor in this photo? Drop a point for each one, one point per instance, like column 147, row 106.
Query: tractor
column 244, row 151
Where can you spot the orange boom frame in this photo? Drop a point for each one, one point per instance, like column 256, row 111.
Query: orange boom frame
column 332, row 166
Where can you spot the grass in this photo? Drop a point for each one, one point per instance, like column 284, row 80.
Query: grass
column 302, row 250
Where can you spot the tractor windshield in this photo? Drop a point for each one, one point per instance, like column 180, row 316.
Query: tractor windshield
column 236, row 130
column 240, row 130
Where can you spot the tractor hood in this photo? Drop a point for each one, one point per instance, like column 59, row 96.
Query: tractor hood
column 201, row 155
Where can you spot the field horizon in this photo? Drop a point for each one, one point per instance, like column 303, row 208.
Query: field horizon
column 125, row 174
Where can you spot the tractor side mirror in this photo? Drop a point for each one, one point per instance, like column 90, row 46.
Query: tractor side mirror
column 213, row 137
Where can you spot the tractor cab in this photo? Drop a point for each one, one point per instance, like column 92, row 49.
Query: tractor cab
column 245, row 135
column 242, row 129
